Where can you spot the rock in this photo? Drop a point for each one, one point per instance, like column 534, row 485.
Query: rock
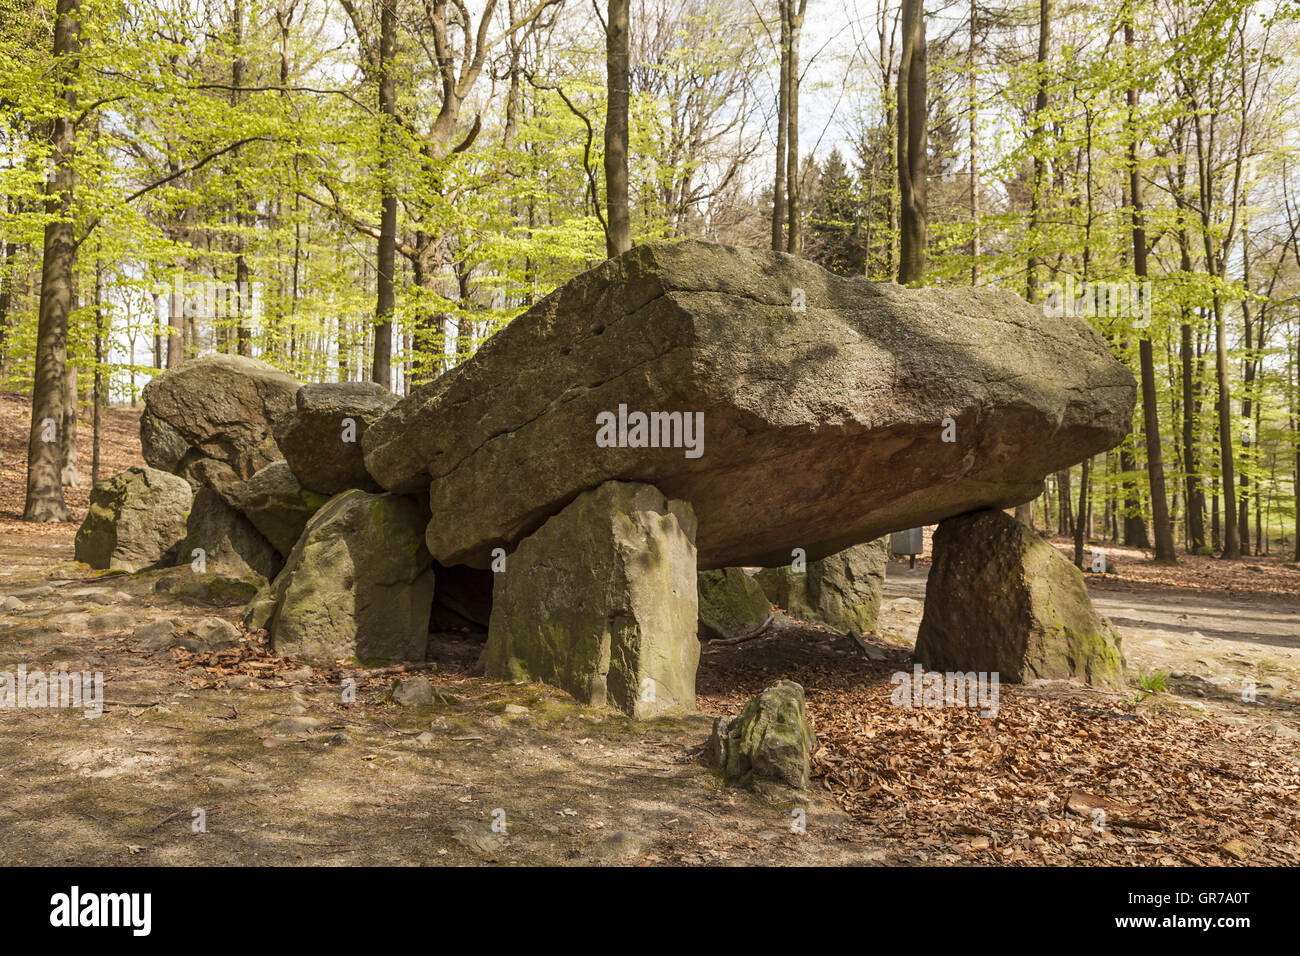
column 715, row 751
column 842, row 590
column 136, row 520
column 358, row 585
column 771, row 740
column 278, row 507
column 515, row 710
column 219, row 408
column 1001, row 599
column 414, row 692
column 321, row 436
column 41, row 590
column 619, row 845
column 109, row 621
column 731, row 604
column 823, row 427
column 231, row 545
column 208, row 634
column 210, row 588
column 296, row 725
column 601, row 602
column 11, row 605
column 474, row 837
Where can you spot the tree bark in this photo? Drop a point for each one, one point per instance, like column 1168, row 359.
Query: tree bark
column 1164, row 532
column 618, row 79
column 1040, row 164
column 44, row 465
column 794, row 184
column 913, row 161
column 779, row 202
column 381, row 370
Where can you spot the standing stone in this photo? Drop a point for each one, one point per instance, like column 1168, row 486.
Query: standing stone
column 321, row 436
column 1001, row 599
column 842, row 590
column 357, row 586
column 136, row 520
column 231, row 545
column 771, row 740
column 732, row 604
column 209, row 420
column 601, row 602
column 819, row 407
column 277, row 505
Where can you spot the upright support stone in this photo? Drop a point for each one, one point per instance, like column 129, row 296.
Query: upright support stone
column 1001, row 599
column 358, row 585
column 601, row 602
column 842, row 590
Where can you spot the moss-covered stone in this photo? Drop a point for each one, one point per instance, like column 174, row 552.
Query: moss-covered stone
column 277, row 505
column 771, row 740
column 731, row 604
column 136, row 520
column 842, row 590
column 231, row 546
column 358, row 585
column 820, row 426
column 601, row 601
column 1001, row 599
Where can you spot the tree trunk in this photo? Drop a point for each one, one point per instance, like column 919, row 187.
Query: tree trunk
column 382, row 365
column 913, row 161
column 779, row 203
column 1040, row 165
column 1164, row 532
column 973, row 106
column 619, row 239
column 1081, row 518
column 794, row 183
column 101, row 328
column 44, row 465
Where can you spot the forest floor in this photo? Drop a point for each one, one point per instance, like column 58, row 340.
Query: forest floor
column 285, row 771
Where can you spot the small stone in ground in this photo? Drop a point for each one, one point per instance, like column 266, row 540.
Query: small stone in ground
column 414, row 692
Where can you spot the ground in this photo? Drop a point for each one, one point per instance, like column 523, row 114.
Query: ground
column 285, row 771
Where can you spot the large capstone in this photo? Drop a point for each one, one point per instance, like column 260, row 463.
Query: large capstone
column 732, row 605
column 136, row 520
column 600, row 601
column 358, row 585
column 210, row 419
column 321, row 436
column 277, row 505
column 771, row 741
column 799, row 409
column 221, row 541
column 1000, row 599
column 842, row 590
